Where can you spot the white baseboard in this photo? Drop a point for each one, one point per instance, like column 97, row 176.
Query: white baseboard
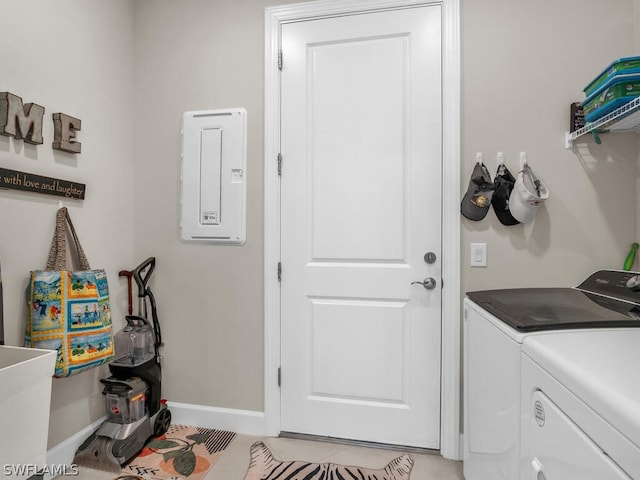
column 246, row 422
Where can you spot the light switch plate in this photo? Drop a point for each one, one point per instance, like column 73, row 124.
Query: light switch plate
column 478, row 257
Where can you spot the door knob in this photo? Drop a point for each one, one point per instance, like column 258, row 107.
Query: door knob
column 430, row 257
column 429, row 283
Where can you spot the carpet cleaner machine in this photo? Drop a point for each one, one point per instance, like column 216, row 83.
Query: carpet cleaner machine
column 132, row 394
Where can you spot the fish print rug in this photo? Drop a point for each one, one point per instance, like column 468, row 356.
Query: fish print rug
column 183, row 453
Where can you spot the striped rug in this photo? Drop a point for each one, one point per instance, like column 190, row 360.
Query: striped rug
column 184, row 452
column 264, row 466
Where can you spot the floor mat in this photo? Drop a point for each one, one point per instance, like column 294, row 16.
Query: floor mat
column 264, row 466
column 184, row 452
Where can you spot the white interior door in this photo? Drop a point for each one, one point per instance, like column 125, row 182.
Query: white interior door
column 360, row 207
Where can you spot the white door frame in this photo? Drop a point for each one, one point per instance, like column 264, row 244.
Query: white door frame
column 450, row 384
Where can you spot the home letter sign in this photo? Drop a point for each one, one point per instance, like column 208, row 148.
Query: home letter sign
column 20, row 121
column 24, row 122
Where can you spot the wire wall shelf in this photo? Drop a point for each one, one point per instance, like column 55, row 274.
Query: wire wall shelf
column 623, row 119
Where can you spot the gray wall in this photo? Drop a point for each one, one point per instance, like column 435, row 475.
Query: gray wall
column 199, row 55
column 73, row 57
column 523, row 63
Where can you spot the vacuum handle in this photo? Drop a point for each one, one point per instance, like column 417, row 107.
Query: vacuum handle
column 128, row 274
column 120, row 384
column 143, row 278
column 134, row 320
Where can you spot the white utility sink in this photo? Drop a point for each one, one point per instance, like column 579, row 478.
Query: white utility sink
column 25, row 398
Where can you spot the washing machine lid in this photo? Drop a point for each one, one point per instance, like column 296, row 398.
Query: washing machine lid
column 600, row 367
column 601, row 301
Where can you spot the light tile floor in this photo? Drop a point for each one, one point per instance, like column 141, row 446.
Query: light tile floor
column 233, row 464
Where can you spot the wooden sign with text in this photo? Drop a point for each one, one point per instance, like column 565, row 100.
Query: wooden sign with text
column 29, row 182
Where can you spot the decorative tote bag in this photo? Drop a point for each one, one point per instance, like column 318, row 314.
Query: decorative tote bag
column 69, row 310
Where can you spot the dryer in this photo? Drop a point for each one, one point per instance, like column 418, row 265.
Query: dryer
column 496, row 324
column 581, row 406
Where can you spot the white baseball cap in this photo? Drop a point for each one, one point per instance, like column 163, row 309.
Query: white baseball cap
column 527, row 195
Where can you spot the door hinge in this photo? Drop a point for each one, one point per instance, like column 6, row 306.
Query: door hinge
column 279, row 164
column 279, row 59
column 279, row 376
column 279, row 271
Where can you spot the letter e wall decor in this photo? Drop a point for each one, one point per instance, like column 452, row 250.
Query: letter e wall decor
column 64, row 133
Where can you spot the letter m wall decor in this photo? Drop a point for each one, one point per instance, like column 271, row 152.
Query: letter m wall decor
column 20, row 121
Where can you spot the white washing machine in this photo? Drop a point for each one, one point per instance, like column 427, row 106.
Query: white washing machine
column 496, row 323
column 581, row 406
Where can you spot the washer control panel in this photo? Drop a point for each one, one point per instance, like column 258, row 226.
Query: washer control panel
column 618, row 284
column 634, row 283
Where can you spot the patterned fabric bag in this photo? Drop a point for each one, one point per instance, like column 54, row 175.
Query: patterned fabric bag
column 68, row 311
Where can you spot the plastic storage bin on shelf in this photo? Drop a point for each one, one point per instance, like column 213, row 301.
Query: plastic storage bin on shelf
column 615, row 110
column 622, row 66
column 614, row 93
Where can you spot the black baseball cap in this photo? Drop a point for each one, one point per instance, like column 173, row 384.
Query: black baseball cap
column 476, row 202
column 504, row 183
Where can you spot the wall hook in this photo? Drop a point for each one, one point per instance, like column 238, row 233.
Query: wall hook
column 523, row 160
column 478, row 158
column 500, row 158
